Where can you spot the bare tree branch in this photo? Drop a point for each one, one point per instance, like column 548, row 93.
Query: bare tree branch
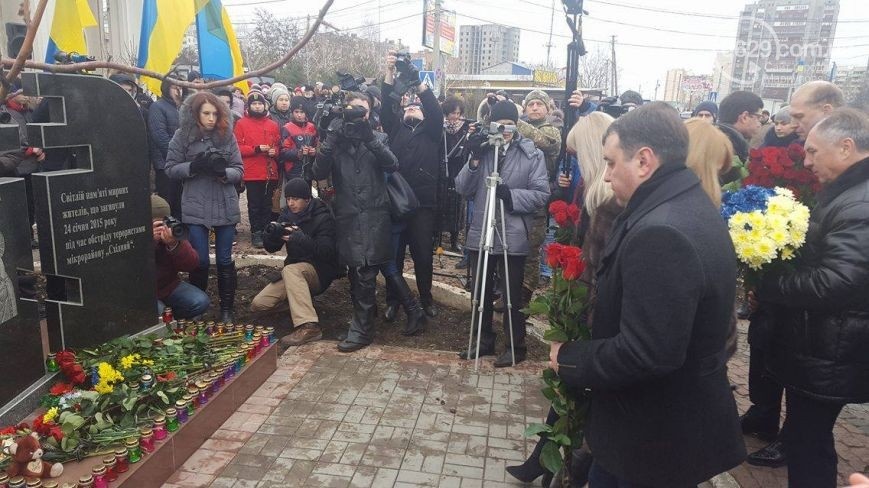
column 92, row 65
column 27, row 46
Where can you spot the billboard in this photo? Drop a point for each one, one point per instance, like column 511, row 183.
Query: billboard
column 448, row 28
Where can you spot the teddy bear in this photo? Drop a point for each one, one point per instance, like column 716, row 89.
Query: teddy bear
column 27, row 459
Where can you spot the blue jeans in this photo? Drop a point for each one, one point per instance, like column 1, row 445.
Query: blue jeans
column 390, row 268
column 223, row 237
column 601, row 478
column 186, row 302
column 545, row 270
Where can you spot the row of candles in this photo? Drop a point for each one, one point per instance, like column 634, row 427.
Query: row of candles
column 198, row 394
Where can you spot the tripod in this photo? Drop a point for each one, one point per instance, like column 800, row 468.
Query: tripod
column 487, row 245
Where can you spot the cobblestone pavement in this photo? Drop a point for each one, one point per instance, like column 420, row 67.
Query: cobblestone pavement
column 396, row 417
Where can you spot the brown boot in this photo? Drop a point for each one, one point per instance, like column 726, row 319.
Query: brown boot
column 303, row 334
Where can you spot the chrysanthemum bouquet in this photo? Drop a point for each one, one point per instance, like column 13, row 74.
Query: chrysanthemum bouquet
column 767, row 225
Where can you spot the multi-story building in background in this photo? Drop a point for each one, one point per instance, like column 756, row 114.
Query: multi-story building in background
column 781, row 44
column 673, row 85
column 481, row 46
column 851, row 78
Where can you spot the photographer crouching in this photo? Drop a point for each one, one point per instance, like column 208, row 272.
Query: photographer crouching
column 356, row 159
column 306, row 229
column 415, row 138
column 173, row 253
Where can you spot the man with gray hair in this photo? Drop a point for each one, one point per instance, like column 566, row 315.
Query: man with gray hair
column 821, row 312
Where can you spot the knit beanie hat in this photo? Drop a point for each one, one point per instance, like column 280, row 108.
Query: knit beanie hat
column 255, row 96
column 297, row 103
column 297, row 188
column 277, row 90
column 707, row 106
column 538, row 95
column 504, row 110
column 783, row 115
column 159, row 207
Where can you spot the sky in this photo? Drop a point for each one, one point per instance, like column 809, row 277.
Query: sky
column 652, row 36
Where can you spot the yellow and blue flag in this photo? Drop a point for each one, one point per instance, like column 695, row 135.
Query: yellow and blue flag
column 219, row 52
column 67, row 29
column 164, row 23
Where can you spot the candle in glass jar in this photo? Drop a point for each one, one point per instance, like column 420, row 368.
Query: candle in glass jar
column 202, row 397
column 110, row 464
column 248, row 333
column 98, row 473
column 17, row 482
column 181, row 411
column 122, row 462
column 134, row 451
column 159, row 428
column 146, row 439
column 48, row 484
column 86, row 481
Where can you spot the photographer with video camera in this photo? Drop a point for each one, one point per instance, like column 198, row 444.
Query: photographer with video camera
column 173, row 253
column 415, row 139
column 524, row 189
column 306, row 229
column 356, row 157
column 204, row 154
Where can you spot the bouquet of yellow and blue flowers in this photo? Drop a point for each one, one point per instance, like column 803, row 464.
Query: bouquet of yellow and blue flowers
column 766, row 224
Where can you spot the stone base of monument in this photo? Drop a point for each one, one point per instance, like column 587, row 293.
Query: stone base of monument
column 155, row 468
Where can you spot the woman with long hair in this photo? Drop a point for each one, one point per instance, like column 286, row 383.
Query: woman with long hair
column 710, row 154
column 205, row 155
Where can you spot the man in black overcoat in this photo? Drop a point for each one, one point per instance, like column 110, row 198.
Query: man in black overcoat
column 662, row 413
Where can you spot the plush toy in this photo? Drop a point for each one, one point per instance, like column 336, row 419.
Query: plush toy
column 27, row 459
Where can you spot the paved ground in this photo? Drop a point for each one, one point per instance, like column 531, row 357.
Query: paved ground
column 395, row 417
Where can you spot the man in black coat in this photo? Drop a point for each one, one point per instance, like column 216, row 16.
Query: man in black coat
column 821, row 306
column 306, row 229
column 662, row 413
column 415, row 138
column 162, row 124
column 357, row 159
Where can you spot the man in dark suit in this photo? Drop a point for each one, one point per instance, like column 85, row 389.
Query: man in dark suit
column 662, row 413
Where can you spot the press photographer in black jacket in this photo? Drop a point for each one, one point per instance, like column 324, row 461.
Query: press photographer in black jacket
column 415, row 138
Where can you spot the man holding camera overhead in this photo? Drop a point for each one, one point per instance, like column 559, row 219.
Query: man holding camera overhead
column 307, row 229
column 356, row 157
column 415, row 138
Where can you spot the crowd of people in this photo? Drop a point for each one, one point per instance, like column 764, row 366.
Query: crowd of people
column 657, row 252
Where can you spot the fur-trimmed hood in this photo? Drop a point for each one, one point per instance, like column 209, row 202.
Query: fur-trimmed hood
column 188, row 125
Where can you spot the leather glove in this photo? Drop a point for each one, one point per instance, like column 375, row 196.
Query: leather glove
column 218, row 166
column 502, row 191
column 364, row 131
column 200, row 164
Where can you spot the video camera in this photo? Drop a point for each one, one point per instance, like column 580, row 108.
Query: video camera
column 484, row 137
column 406, row 78
column 612, row 107
column 179, row 230
column 329, row 108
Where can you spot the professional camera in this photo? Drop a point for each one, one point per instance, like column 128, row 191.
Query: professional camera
column 484, row 137
column 179, row 230
column 329, row 108
column 218, row 159
column 277, row 230
column 406, row 77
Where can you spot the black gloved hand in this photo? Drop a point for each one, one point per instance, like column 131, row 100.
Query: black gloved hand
column 411, row 74
column 219, row 165
column 200, row 164
column 336, row 126
column 475, row 144
column 502, row 191
column 364, row 131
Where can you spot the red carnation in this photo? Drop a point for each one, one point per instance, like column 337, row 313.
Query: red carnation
column 573, row 213
column 561, row 218
column 553, row 255
column 60, row 388
column 167, row 377
column 557, row 206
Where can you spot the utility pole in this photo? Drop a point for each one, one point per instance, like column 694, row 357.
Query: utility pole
column 615, row 87
column 657, row 85
column 308, row 53
column 549, row 43
column 436, row 47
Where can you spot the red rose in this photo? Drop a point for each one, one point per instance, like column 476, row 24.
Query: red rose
column 560, row 217
column 557, row 206
column 573, row 213
column 74, row 373
column 796, row 152
column 65, row 357
column 553, row 255
column 573, row 270
column 776, row 169
column 167, row 377
column 755, row 156
column 8, row 430
column 60, row 388
column 770, row 154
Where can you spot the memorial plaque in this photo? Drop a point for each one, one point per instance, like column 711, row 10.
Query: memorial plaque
column 21, row 360
column 94, row 222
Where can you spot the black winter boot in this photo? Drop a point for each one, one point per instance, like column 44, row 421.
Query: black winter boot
column 226, row 283
column 199, row 278
column 416, row 319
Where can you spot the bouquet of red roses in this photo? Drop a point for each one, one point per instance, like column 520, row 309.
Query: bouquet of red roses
column 783, row 166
